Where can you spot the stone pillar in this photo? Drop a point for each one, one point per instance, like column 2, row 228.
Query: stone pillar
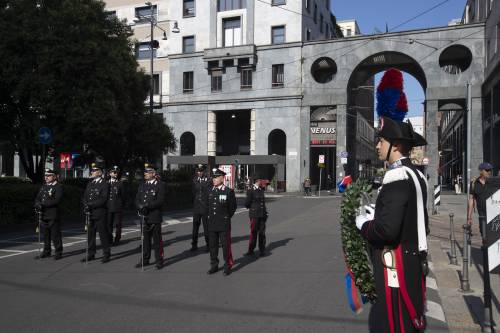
column 213, row 24
column 252, row 132
column 431, row 150
column 212, row 134
column 305, row 153
column 477, row 131
column 250, row 21
column 17, row 165
column 341, row 139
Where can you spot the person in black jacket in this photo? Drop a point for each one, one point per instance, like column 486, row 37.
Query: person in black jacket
column 149, row 201
column 200, row 206
column 396, row 229
column 95, row 200
column 47, row 204
column 221, row 207
column 115, row 205
column 256, row 203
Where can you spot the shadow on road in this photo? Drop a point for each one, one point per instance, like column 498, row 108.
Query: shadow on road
column 244, row 261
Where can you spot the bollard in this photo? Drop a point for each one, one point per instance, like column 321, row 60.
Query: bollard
column 465, row 251
column 453, row 254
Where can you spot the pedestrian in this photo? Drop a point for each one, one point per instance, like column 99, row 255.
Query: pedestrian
column 221, row 208
column 456, row 182
column 149, row 201
column 200, row 206
column 47, row 204
column 329, row 183
column 479, row 192
column 307, row 187
column 115, row 205
column 95, row 200
column 256, row 203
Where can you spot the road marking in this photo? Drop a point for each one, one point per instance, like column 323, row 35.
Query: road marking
column 84, row 238
column 434, row 310
column 13, row 251
column 431, row 283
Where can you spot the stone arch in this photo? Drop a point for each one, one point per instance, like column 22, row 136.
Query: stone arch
column 187, row 144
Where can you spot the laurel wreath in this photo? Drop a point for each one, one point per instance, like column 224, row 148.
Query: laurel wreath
column 353, row 244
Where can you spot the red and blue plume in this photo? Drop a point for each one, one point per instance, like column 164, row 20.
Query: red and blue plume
column 391, row 99
column 344, row 183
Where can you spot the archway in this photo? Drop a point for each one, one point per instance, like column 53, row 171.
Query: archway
column 361, row 88
column 187, row 143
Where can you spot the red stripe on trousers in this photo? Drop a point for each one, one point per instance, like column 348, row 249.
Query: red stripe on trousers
column 388, row 301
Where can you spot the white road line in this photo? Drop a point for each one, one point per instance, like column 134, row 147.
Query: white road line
column 84, row 238
column 434, row 310
column 16, row 242
column 13, row 251
column 431, row 283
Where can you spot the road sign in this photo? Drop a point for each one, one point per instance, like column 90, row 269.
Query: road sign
column 343, row 160
column 344, row 154
column 425, row 161
column 45, row 135
column 321, row 159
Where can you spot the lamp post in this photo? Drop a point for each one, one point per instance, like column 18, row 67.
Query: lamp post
column 153, row 45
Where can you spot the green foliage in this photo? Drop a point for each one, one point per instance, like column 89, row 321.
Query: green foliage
column 13, row 180
column 77, row 182
column 68, row 66
column 16, row 202
column 354, row 245
column 177, row 176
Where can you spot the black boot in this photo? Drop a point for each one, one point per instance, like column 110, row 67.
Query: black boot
column 90, row 257
column 105, row 259
column 213, row 270
column 58, row 256
column 227, row 270
column 194, row 248
column 139, row 265
column 44, row 254
column 249, row 253
column 159, row 264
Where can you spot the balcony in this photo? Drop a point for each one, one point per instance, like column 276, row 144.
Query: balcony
column 220, row 54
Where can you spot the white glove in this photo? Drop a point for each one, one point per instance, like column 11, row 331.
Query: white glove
column 365, row 214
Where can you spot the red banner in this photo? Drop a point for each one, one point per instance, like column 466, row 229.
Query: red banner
column 66, row 161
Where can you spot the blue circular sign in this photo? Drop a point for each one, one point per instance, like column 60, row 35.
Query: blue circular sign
column 45, row 135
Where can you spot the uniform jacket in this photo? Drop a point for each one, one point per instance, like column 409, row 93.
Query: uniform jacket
column 395, row 224
column 221, row 207
column 200, row 195
column 96, row 197
column 256, row 202
column 116, row 196
column 49, row 198
column 151, row 194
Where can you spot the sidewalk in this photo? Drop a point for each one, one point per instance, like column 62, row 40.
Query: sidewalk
column 464, row 311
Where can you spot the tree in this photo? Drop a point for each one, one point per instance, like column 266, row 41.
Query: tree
column 67, row 65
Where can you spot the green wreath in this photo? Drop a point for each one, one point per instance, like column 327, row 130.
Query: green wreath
column 353, row 244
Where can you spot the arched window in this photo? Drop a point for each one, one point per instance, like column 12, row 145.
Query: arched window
column 187, row 142
column 276, row 142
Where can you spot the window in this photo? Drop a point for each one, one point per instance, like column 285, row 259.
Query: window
column 308, row 34
column 145, row 12
column 348, row 32
column 216, row 80
column 246, row 78
column 308, row 8
column 188, row 44
column 327, row 4
column 315, row 14
column 187, row 84
column 143, row 51
column 278, row 34
column 223, row 5
column 232, row 31
column 321, row 23
column 278, row 76
column 156, row 84
column 188, row 9
column 278, row 2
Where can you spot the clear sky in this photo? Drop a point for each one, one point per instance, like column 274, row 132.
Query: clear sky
column 372, row 15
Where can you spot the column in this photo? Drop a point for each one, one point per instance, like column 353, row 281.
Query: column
column 212, row 134
column 341, row 139
column 252, row 132
column 431, row 150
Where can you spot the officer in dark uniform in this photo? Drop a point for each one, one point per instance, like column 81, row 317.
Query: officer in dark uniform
column 47, row 203
column 396, row 229
column 95, row 200
column 149, row 201
column 115, row 205
column 200, row 206
column 221, row 207
column 256, row 203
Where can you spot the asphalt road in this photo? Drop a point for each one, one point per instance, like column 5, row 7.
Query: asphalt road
column 298, row 287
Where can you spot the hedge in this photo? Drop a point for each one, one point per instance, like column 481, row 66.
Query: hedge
column 17, row 200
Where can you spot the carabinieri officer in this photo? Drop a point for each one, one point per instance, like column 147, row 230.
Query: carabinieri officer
column 221, row 208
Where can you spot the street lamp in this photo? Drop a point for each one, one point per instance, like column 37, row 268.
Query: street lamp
column 154, row 23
